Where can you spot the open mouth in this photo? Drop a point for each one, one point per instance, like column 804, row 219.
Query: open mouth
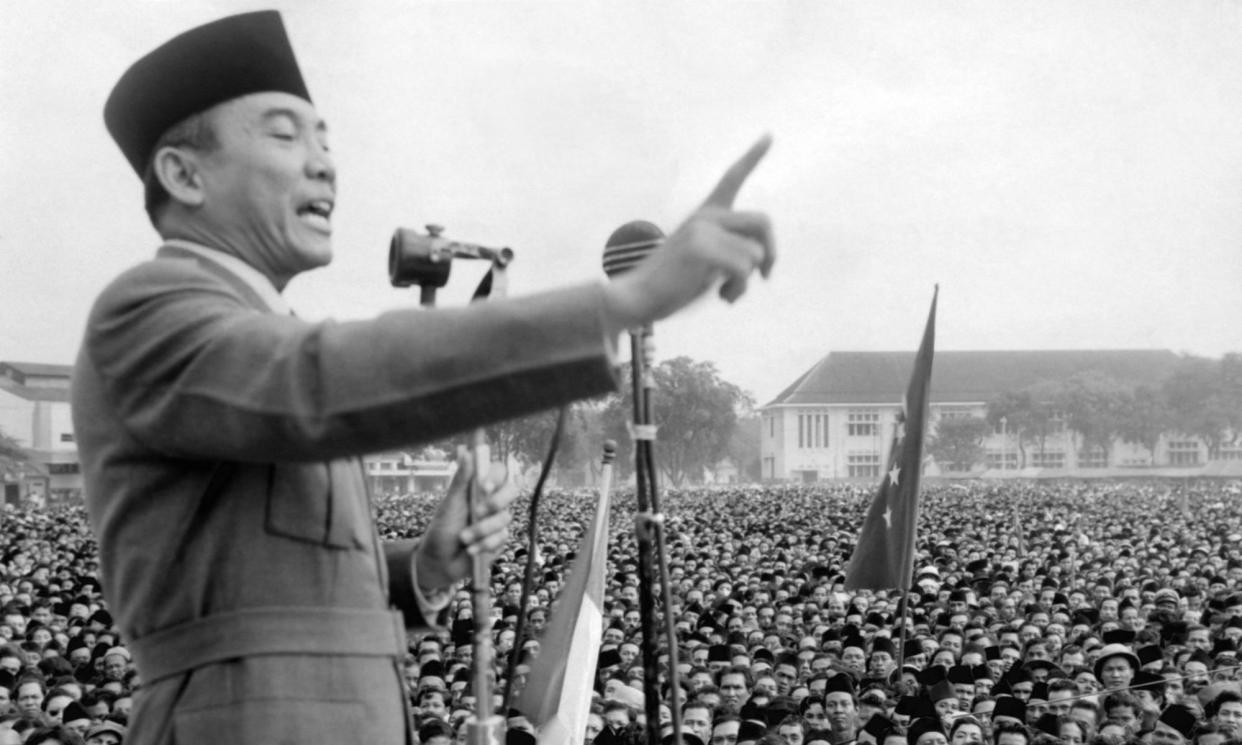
column 318, row 213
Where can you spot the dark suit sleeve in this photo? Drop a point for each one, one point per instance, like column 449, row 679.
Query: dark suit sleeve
column 194, row 372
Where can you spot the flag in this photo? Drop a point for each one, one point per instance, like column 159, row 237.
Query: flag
column 883, row 558
column 557, row 695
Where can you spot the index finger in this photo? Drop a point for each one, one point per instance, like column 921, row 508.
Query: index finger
column 731, row 183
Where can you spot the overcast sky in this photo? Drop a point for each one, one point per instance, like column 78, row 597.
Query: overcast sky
column 1069, row 172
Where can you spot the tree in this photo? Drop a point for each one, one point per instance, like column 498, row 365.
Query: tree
column 1199, row 399
column 1146, row 417
column 1093, row 403
column 12, row 454
column 1017, row 411
column 744, row 447
column 1029, row 415
column 527, row 439
column 958, row 442
column 695, row 410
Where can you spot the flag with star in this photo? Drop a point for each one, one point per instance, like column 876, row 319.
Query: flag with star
column 883, row 558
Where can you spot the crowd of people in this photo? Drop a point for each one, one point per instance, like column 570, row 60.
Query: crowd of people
column 1038, row 613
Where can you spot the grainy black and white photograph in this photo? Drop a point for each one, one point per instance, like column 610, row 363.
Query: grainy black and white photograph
column 586, row 373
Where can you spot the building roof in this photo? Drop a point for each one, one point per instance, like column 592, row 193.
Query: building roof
column 19, row 371
column 965, row 376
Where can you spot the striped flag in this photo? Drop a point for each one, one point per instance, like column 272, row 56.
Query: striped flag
column 883, row 558
column 557, row 695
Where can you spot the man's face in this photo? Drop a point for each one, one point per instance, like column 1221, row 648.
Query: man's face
column 1116, row 673
column 1125, row 716
column 698, row 721
column 841, row 711
column 616, row 720
column 1229, row 717
column 816, row 716
column 433, row 705
column 725, row 733
column 29, row 698
column 595, row 725
column 114, row 667
column 1059, row 702
column 786, row 675
column 790, row 733
column 733, row 691
column 269, row 188
column 853, row 658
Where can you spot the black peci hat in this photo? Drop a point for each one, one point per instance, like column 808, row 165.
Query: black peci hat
column 205, row 66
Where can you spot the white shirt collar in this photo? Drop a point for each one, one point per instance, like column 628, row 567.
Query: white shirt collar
column 243, row 271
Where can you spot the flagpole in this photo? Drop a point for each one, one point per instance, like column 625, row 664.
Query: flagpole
column 904, row 603
column 556, row 699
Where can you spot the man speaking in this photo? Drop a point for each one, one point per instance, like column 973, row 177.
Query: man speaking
column 220, row 435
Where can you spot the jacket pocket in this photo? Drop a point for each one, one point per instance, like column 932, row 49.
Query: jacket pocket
column 319, row 503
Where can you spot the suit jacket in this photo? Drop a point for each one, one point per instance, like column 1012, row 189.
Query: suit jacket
column 219, row 445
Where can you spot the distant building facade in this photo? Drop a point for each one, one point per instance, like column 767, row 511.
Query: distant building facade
column 34, row 411
column 397, row 473
column 836, row 420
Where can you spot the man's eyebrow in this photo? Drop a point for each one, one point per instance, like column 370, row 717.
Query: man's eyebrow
column 319, row 124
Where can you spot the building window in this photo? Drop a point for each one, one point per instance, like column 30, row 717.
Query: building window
column 1183, row 453
column 772, row 426
column 956, row 412
column 864, row 423
column 63, row 469
column 1048, row 459
column 864, row 465
column 1092, row 458
column 1229, row 451
column 812, row 430
column 1005, row 460
column 66, row 437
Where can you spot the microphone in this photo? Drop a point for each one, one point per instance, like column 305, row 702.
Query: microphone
column 414, row 258
column 629, row 245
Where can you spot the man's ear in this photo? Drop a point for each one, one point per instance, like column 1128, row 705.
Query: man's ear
column 178, row 172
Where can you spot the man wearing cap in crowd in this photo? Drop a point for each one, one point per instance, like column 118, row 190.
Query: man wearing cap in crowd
column 842, row 708
column 1115, row 666
column 106, row 732
column 219, row 434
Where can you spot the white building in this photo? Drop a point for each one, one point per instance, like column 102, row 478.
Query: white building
column 836, row 420
column 398, row 473
column 34, row 411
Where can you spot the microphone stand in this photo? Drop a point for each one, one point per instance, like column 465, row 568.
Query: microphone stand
column 484, row 727
column 649, row 529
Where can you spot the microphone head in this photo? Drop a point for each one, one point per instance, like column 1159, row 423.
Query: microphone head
column 629, row 245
